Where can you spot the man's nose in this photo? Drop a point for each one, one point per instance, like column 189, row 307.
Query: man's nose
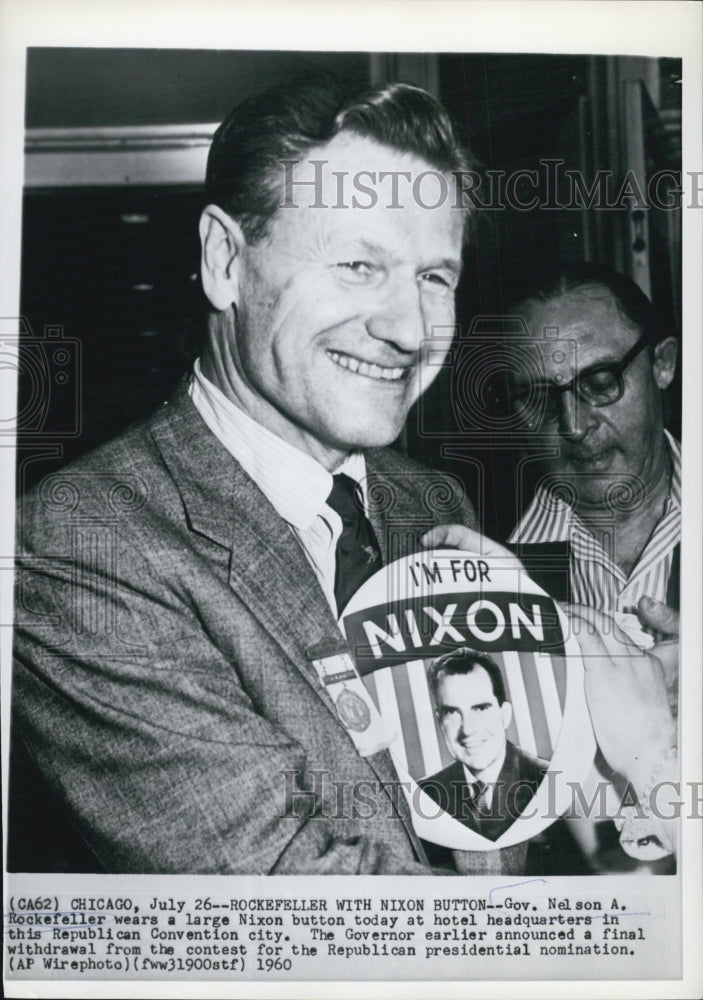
column 468, row 725
column 398, row 317
column 576, row 417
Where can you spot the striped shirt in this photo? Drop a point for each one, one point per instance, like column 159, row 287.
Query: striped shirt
column 596, row 580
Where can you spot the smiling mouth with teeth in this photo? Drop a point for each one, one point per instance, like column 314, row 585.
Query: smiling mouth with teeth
column 378, row 372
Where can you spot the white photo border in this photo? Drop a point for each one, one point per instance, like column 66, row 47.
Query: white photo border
column 599, row 27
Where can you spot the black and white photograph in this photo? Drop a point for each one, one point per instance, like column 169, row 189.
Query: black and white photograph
column 351, row 456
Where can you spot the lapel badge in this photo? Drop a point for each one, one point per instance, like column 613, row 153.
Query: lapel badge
column 353, row 711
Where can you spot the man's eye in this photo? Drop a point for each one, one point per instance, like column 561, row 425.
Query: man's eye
column 433, row 278
column 356, row 268
column 448, row 713
column 601, row 380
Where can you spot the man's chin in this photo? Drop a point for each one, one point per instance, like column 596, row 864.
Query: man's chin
column 475, row 766
column 598, row 488
column 372, row 435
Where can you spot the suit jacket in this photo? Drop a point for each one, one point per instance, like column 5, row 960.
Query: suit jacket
column 163, row 685
column 517, row 782
column 554, row 851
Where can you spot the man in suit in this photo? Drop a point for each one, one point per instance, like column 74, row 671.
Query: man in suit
column 182, row 691
column 491, row 781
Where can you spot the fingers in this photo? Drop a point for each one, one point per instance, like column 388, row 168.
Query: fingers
column 456, row 536
column 598, row 633
column 658, row 616
column 611, row 661
column 626, row 695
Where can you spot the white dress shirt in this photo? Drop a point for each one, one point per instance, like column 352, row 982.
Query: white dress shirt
column 489, row 777
column 294, row 482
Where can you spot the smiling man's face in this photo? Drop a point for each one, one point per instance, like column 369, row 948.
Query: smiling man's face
column 472, row 722
column 333, row 304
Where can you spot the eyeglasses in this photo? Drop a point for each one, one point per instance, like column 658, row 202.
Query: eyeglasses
column 538, row 403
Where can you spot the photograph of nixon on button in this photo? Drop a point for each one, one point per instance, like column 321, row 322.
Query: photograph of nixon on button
column 491, row 780
column 491, row 741
column 282, row 374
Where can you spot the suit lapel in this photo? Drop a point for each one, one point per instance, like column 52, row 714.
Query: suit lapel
column 270, row 571
column 457, row 789
column 395, row 514
column 268, row 568
column 493, row 825
column 502, row 812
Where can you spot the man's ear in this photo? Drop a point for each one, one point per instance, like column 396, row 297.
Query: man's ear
column 222, row 244
column 506, row 711
column 664, row 367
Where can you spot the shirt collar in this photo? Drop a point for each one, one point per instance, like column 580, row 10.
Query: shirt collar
column 675, row 453
column 556, row 521
column 490, row 775
column 295, row 483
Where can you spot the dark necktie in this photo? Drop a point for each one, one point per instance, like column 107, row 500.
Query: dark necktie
column 358, row 555
column 478, row 797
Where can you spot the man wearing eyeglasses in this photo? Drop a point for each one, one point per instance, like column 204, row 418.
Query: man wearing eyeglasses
column 590, row 394
column 587, row 388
